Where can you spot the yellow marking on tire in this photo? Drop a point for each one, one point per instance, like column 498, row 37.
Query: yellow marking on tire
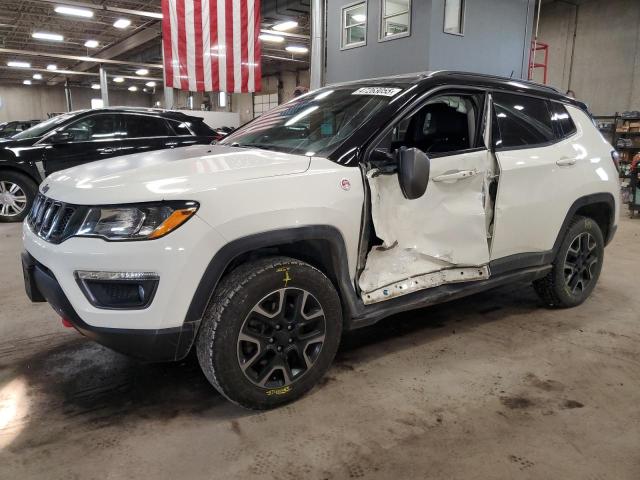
column 287, row 278
column 279, row 391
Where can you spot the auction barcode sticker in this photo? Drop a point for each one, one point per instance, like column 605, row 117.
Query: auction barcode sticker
column 383, row 91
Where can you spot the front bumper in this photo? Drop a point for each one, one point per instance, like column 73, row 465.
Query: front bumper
column 154, row 345
column 159, row 332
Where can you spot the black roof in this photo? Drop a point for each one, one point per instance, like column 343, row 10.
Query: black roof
column 151, row 111
column 442, row 77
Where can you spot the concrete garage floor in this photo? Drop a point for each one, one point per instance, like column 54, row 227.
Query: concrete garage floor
column 491, row 387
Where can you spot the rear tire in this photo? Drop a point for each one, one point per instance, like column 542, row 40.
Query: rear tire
column 576, row 268
column 17, row 192
column 270, row 332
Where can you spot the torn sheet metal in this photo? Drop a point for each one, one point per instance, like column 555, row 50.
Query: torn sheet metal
column 428, row 280
column 445, row 228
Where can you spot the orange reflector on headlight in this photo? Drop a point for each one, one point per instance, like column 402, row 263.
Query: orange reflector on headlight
column 172, row 222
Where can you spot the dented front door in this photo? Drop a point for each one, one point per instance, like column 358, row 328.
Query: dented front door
column 438, row 238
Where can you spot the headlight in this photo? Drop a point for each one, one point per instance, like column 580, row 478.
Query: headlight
column 135, row 222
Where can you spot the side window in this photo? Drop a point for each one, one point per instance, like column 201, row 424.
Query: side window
column 141, row 126
column 444, row 125
column 522, row 121
column 181, row 128
column 95, row 127
column 562, row 119
column 454, row 17
column 354, row 25
column 395, row 19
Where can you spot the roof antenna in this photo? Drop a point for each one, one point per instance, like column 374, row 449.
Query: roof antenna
column 511, row 76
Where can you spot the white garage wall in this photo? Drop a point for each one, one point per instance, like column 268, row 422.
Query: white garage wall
column 603, row 67
column 25, row 103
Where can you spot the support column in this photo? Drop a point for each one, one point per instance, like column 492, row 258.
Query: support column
column 317, row 44
column 168, row 91
column 67, row 95
column 104, row 87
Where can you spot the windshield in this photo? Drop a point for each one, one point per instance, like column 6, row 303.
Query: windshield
column 42, row 128
column 316, row 123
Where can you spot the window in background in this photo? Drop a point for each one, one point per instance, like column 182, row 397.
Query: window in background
column 264, row 103
column 354, row 25
column 222, row 99
column 144, row 126
column 454, row 17
column 395, row 19
column 95, row 127
column 522, row 121
column 96, row 103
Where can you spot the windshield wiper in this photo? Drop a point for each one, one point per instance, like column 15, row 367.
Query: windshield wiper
column 255, row 145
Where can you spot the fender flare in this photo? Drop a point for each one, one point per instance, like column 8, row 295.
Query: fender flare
column 274, row 238
column 585, row 201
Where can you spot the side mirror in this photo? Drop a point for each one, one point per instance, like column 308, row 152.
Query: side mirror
column 61, row 137
column 413, row 172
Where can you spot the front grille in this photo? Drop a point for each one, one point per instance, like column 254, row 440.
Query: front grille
column 52, row 220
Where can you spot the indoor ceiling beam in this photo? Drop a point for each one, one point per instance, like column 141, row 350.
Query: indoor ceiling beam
column 74, row 72
column 79, row 58
column 285, row 34
column 93, row 6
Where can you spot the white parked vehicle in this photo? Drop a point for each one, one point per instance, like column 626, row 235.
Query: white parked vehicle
column 328, row 213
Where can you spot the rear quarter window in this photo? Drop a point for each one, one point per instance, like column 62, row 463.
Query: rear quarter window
column 563, row 121
column 522, row 121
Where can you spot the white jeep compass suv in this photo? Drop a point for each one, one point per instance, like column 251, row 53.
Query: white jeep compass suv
column 328, row 213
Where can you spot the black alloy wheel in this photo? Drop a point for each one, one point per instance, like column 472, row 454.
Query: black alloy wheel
column 270, row 332
column 281, row 338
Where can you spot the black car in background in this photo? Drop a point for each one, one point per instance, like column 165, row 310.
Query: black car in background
column 8, row 129
column 83, row 136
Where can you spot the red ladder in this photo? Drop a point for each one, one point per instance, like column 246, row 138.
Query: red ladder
column 535, row 47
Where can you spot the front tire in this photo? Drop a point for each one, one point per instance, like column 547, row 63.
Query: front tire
column 576, row 268
column 270, row 332
column 17, row 192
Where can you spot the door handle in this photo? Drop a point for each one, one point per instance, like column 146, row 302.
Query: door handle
column 566, row 162
column 455, row 176
column 107, row 150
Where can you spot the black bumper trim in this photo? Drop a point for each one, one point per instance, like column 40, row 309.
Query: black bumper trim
column 159, row 345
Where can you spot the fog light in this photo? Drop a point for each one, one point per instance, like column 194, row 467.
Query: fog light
column 118, row 290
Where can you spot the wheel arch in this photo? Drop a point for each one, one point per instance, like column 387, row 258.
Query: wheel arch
column 322, row 246
column 4, row 167
column 600, row 207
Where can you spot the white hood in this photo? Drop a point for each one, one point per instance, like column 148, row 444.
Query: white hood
column 167, row 174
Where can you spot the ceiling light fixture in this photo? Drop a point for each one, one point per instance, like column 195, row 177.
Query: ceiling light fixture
column 91, row 44
column 54, row 37
column 19, row 64
column 266, row 37
column 52, row 67
column 37, row 76
column 27, row 82
column 284, row 26
column 151, row 84
column 133, row 88
column 95, row 86
column 122, row 23
column 118, row 79
column 76, row 12
column 296, row 49
column 142, row 71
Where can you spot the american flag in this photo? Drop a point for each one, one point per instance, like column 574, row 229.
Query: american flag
column 212, row 45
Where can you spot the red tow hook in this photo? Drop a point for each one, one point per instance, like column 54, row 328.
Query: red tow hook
column 66, row 323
